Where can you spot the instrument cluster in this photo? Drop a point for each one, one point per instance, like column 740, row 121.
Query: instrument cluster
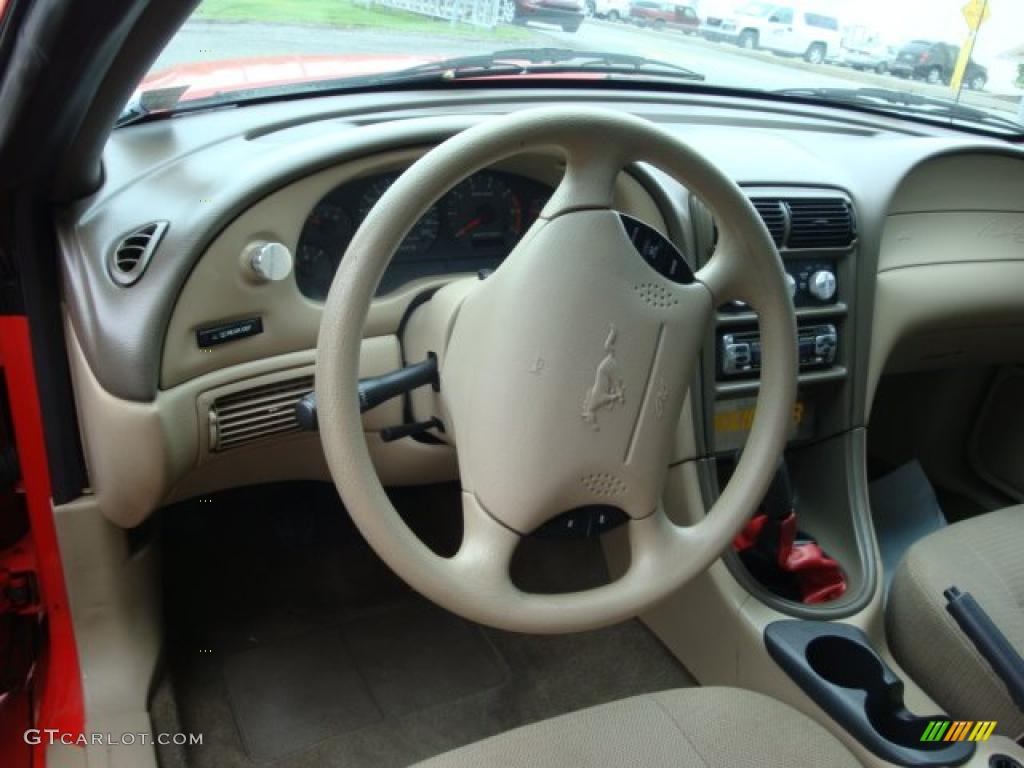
column 473, row 227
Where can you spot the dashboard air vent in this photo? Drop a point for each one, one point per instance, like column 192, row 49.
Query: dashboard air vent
column 825, row 222
column 774, row 215
column 253, row 414
column 132, row 254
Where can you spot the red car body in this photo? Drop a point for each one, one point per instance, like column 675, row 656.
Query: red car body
column 203, row 80
column 661, row 15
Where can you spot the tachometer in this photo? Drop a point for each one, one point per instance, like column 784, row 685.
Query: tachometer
column 420, row 238
column 484, row 213
column 324, row 238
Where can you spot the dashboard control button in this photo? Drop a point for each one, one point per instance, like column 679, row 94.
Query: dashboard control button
column 209, row 337
column 822, row 285
column 268, row 262
column 582, row 523
column 791, row 285
column 825, row 344
column 657, row 250
column 737, row 356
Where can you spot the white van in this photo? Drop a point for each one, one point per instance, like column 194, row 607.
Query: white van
column 613, row 10
column 796, row 29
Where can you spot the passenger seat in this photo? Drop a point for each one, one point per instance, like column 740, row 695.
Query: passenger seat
column 984, row 556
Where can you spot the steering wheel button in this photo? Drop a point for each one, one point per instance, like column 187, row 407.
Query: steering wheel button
column 657, row 250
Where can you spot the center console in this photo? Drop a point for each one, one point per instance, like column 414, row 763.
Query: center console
column 816, row 232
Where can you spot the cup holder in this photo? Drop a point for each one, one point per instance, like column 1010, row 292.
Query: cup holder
column 837, row 667
column 843, row 662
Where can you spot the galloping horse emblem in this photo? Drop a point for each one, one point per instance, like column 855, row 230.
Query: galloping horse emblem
column 608, row 389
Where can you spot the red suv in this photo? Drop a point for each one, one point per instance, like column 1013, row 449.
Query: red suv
column 658, row 15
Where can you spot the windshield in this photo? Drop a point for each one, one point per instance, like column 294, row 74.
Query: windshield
column 952, row 61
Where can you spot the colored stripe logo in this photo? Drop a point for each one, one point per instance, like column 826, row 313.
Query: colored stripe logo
column 958, row 730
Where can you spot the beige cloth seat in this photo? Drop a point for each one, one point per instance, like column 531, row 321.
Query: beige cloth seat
column 698, row 727
column 983, row 556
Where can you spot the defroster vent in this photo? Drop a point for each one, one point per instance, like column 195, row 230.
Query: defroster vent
column 257, row 413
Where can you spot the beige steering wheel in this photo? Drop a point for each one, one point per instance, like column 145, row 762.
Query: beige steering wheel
column 563, row 374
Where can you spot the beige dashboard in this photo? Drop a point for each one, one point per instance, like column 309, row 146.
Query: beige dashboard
column 939, row 272
column 175, row 438
column 951, row 267
column 219, row 288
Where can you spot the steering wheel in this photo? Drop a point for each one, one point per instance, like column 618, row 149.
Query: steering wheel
column 563, row 374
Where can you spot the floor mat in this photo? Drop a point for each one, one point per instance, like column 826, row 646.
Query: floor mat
column 292, row 645
column 904, row 508
column 289, row 696
column 416, row 656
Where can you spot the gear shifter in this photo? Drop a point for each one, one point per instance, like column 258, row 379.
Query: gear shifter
column 769, row 548
column 777, row 507
column 778, row 501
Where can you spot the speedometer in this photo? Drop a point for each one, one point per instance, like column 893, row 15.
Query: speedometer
column 484, row 214
column 420, row 238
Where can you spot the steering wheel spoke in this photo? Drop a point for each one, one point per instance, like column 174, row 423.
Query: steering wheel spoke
column 723, row 274
column 592, row 168
column 487, row 548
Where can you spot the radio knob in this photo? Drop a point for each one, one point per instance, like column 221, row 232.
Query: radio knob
column 791, row 285
column 822, row 285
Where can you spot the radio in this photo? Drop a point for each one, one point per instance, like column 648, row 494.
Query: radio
column 739, row 354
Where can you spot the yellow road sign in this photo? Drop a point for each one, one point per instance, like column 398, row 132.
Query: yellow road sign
column 976, row 12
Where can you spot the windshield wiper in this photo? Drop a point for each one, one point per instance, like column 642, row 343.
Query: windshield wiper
column 519, row 61
column 904, row 102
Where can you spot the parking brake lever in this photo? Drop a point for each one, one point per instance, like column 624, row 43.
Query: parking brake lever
column 375, row 390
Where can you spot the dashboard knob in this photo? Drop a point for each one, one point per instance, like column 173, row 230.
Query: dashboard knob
column 822, row 285
column 268, row 261
column 791, row 285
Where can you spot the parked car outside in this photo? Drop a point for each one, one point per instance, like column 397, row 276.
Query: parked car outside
column 868, row 54
column 808, row 31
column 612, row 10
column 660, row 15
column 568, row 14
column 934, row 62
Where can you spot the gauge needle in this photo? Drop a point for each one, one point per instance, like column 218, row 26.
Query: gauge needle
column 470, row 226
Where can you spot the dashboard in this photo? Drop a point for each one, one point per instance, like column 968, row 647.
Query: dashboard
column 472, row 228
column 890, row 238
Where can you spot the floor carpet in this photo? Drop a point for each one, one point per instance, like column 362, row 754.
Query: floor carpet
column 291, row 644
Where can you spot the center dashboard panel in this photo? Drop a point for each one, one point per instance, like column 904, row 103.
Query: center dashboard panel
column 815, row 230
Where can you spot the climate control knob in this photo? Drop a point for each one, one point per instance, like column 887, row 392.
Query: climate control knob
column 791, row 286
column 822, row 285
